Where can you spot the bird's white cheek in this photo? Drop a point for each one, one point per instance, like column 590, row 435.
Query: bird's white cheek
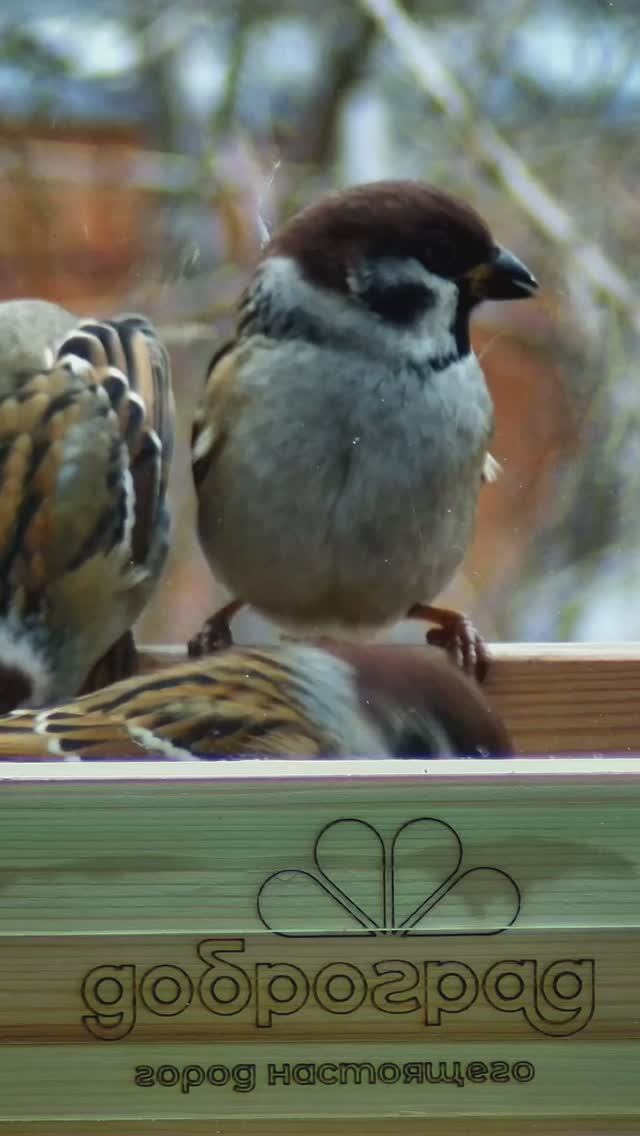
column 349, row 322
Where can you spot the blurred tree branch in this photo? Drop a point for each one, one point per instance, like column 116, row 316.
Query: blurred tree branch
column 315, row 142
column 242, row 27
column 419, row 55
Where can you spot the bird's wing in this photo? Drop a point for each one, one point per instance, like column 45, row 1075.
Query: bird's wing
column 211, row 423
column 238, row 704
column 132, row 365
column 63, row 494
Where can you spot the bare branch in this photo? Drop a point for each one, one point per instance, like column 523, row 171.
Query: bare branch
column 497, row 156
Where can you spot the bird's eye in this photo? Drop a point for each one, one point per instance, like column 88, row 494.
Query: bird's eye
column 400, row 303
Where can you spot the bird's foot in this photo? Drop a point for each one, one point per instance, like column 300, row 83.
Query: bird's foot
column 215, row 634
column 456, row 634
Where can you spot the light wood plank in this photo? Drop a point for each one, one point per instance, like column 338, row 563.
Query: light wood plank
column 568, row 698
column 473, row 887
column 402, row 1126
column 131, row 864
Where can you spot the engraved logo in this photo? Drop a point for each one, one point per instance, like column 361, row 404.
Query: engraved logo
column 416, row 883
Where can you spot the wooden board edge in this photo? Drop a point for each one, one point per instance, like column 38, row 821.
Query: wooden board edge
column 556, row 770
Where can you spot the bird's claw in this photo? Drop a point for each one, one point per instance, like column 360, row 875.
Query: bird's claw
column 214, row 636
column 464, row 645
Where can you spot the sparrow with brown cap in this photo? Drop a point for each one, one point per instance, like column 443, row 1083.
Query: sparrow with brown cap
column 342, row 438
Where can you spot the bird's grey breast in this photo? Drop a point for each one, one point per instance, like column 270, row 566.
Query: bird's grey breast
column 412, row 467
column 373, row 447
column 356, row 477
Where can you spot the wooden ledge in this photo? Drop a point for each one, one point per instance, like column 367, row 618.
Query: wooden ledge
column 562, row 698
column 556, row 698
column 482, row 917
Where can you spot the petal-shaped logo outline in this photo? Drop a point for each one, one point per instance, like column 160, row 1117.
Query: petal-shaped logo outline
column 430, row 900
column 336, row 893
column 288, row 873
column 404, row 927
column 330, row 884
column 388, row 889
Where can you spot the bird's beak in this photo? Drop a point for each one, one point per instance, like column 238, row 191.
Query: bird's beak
column 503, row 278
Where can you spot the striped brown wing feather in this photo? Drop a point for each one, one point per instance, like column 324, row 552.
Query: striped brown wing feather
column 61, row 491
column 239, row 704
column 208, row 431
column 61, row 735
column 134, row 367
column 149, row 373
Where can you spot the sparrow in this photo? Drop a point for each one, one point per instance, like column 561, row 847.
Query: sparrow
column 294, row 700
column 86, row 436
column 342, row 437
